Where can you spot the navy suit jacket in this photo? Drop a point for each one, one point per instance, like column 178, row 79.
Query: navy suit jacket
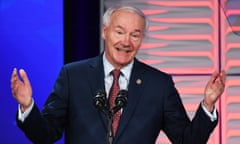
column 153, row 105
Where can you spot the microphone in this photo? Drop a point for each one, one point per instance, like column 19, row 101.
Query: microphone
column 120, row 101
column 99, row 101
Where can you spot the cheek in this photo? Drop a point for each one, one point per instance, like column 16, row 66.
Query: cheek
column 136, row 45
column 113, row 41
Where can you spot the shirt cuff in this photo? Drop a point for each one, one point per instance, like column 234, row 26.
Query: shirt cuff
column 23, row 115
column 213, row 115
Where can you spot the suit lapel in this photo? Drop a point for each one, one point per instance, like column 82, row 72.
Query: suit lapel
column 96, row 75
column 134, row 93
column 96, row 80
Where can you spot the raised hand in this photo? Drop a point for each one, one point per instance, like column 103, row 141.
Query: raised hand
column 21, row 89
column 214, row 89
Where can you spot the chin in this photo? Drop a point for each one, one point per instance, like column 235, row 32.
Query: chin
column 124, row 63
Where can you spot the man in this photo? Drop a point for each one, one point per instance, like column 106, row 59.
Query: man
column 153, row 102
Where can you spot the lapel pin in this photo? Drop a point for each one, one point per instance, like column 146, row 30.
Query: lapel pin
column 138, row 81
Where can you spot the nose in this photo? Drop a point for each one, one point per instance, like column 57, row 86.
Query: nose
column 126, row 41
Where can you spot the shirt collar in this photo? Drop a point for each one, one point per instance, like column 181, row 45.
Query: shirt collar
column 108, row 67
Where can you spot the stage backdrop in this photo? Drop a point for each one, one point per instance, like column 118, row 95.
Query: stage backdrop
column 31, row 37
column 188, row 39
column 191, row 39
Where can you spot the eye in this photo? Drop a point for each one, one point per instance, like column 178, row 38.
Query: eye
column 119, row 32
column 135, row 36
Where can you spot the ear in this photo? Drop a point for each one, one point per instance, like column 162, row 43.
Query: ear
column 104, row 29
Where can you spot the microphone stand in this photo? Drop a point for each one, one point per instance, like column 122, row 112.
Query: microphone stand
column 99, row 103
column 109, row 132
column 110, row 121
column 121, row 101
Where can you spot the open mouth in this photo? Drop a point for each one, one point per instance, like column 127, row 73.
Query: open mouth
column 123, row 50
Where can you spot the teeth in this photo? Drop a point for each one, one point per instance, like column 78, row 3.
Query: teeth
column 123, row 50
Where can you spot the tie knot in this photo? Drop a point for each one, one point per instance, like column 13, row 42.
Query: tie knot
column 115, row 73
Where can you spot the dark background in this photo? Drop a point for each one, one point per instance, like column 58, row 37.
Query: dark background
column 81, row 29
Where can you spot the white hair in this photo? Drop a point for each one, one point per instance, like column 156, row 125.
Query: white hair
column 107, row 15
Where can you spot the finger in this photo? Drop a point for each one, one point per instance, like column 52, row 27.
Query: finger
column 24, row 77
column 14, row 82
column 14, row 78
column 213, row 77
column 223, row 76
column 14, row 75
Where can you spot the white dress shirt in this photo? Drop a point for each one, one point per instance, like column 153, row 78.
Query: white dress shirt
column 123, row 79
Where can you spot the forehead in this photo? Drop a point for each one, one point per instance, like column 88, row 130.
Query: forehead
column 127, row 19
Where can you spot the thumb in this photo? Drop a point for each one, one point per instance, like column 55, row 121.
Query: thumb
column 24, row 77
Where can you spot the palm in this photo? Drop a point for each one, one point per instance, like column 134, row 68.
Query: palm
column 212, row 92
column 21, row 90
column 215, row 87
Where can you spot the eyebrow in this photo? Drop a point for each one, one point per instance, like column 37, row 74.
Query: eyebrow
column 136, row 30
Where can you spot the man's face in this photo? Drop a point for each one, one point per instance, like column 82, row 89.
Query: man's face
column 123, row 37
